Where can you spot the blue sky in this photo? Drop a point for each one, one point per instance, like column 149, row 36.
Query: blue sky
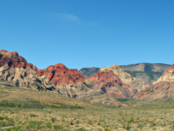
column 88, row 33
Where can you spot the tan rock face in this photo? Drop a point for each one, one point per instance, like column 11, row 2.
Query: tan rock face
column 109, row 83
column 162, row 88
column 60, row 74
column 168, row 75
column 13, row 60
column 24, row 78
column 124, row 77
column 86, row 91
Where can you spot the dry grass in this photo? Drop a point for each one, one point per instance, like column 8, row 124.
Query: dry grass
column 67, row 114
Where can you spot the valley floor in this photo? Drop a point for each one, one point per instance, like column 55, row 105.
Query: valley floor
column 25, row 109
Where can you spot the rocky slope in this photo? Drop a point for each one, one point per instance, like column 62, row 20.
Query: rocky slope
column 109, row 83
column 148, row 72
column 13, row 60
column 136, row 83
column 21, row 77
column 147, row 76
column 86, row 91
column 162, row 88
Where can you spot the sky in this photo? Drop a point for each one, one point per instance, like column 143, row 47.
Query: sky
column 88, row 33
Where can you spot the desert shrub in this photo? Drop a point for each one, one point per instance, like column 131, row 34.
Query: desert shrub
column 48, row 125
column 67, row 107
column 131, row 120
column 150, row 90
column 5, row 103
column 128, row 127
column 16, row 128
column 9, row 129
column 90, row 122
column 53, row 119
column 81, row 129
column 122, row 100
column 77, row 122
column 7, row 122
column 33, row 115
column 57, row 127
column 35, row 124
column 152, row 123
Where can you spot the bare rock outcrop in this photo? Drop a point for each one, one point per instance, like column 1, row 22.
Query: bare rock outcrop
column 162, row 88
column 136, row 83
column 60, row 74
column 14, row 60
column 21, row 77
column 111, row 84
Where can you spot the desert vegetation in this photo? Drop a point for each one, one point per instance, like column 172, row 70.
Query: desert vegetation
column 25, row 109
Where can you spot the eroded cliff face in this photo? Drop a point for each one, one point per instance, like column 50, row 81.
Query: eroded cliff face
column 168, row 75
column 60, row 74
column 125, row 77
column 109, row 83
column 162, row 88
column 21, row 77
column 14, row 60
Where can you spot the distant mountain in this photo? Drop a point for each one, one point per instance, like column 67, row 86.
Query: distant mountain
column 96, row 85
column 89, row 71
column 148, row 72
column 156, row 67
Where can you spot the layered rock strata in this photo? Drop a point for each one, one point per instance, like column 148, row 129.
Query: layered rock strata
column 14, row 60
column 111, row 84
column 162, row 88
column 21, row 77
column 124, row 77
column 60, row 74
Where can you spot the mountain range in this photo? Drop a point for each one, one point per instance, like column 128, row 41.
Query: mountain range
column 143, row 81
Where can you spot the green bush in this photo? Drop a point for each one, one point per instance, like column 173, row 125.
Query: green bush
column 81, row 129
column 33, row 115
column 77, row 122
column 48, row 125
column 122, row 100
column 9, row 129
column 150, row 91
column 35, row 124
column 57, row 127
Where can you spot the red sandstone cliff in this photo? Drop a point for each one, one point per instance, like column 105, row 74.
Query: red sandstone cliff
column 13, row 60
column 60, row 74
column 111, row 84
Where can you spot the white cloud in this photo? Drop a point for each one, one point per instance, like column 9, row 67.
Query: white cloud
column 69, row 17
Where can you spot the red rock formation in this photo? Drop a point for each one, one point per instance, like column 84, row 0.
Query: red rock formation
column 60, row 74
column 13, row 60
column 111, row 84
